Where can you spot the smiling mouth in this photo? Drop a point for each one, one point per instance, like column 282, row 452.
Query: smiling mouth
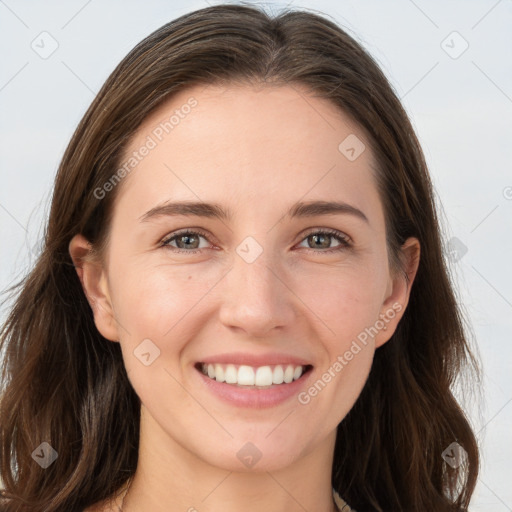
column 260, row 377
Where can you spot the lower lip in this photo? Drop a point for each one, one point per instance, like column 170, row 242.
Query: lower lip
column 253, row 397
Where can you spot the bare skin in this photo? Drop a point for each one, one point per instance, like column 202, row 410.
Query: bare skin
column 256, row 152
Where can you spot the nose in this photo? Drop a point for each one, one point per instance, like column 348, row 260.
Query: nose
column 256, row 298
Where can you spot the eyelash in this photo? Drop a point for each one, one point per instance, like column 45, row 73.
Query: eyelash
column 344, row 240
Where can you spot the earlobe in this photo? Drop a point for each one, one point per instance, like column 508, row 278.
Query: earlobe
column 401, row 283
column 93, row 278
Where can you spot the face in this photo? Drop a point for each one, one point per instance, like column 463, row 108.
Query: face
column 269, row 282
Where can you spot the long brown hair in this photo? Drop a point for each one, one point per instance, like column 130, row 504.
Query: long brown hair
column 64, row 384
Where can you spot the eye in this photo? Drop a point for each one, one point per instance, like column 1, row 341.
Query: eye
column 321, row 239
column 187, row 239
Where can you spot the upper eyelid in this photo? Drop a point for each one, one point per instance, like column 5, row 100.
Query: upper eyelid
column 174, row 234
column 329, row 231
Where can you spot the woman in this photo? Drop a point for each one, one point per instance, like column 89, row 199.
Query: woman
column 242, row 302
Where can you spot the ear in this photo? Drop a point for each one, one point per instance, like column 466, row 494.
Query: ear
column 95, row 285
column 398, row 291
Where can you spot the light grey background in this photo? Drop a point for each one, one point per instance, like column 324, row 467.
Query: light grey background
column 460, row 103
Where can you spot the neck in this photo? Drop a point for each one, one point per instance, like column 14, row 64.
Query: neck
column 170, row 478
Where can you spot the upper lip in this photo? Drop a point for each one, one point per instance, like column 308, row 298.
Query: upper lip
column 255, row 360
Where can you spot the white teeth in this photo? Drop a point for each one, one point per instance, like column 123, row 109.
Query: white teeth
column 263, row 376
column 288, row 374
column 231, row 374
column 219, row 373
column 278, row 375
column 244, row 375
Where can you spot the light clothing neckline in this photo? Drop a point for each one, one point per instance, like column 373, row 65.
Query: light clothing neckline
column 341, row 503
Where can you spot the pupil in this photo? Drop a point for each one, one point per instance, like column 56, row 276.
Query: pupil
column 320, row 240
column 325, row 239
column 187, row 238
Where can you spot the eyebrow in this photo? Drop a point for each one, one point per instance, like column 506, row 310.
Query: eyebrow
column 213, row 210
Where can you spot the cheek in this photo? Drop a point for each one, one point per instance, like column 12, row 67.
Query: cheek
column 344, row 379
column 345, row 299
column 164, row 301
column 160, row 304
column 347, row 303
column 156, row 301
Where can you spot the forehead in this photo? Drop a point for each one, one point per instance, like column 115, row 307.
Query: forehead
column 242, row 143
